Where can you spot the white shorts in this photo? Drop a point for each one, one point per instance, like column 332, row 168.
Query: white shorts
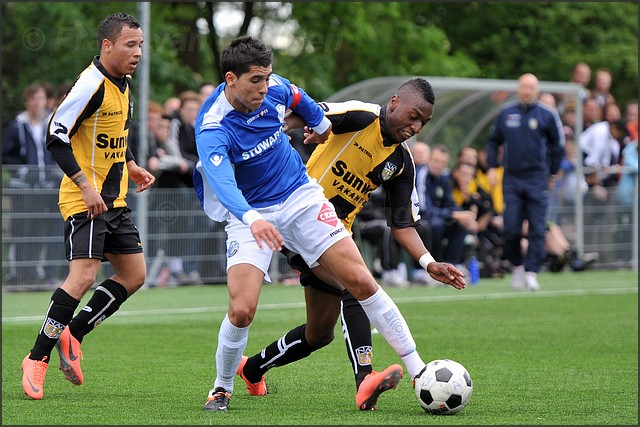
column 307, row 221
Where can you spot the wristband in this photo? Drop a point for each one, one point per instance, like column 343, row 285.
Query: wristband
column 425, row 260
column 251, row 216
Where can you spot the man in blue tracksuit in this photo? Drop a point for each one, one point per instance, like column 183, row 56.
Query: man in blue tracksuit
column 532, row 140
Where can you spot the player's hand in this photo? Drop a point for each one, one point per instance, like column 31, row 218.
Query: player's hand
column 447, row 273
column 95, row 205
column 311, row 137
column 264, row 231
column 140, row 176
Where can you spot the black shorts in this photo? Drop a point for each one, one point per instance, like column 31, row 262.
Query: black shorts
column 113, row 232
column 307, row 278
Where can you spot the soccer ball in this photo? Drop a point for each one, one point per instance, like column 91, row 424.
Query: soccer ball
column 443, row 387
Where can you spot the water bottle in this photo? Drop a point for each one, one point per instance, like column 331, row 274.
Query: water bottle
column 474, row 270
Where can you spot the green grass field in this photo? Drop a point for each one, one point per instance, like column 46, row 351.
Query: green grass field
column 566, row 355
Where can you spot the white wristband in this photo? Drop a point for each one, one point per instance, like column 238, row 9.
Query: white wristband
column 323, row 126
column 425, row 260
column 249, row 217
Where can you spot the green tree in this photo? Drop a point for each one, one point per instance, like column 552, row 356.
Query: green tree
column 338, row 44
column 548, row 39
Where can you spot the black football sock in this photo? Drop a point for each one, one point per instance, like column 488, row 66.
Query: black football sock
column 291, row 347
column 57, row 318
column 357, row 336
column 106, row 300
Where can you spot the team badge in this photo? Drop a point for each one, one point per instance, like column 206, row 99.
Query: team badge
column 53, row 329
column 388, row 171
column 328, row 215
column 281, row 110
column 233, row 248
column 533, row 123
column 216, row 160
column 364, row 355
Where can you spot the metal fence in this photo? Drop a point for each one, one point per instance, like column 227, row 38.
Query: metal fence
column 182, row 245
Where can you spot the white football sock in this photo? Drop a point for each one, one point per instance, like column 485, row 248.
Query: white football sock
column 231, row 344
column 387, row 319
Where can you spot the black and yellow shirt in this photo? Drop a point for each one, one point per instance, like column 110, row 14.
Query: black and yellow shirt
column 359, row 157
column 93, row 121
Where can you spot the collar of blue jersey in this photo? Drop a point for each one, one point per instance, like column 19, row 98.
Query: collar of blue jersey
column 387, row 141
column 527, row 107
column 120, row 83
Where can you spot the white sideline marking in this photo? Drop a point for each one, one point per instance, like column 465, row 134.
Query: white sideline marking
column 399, row 300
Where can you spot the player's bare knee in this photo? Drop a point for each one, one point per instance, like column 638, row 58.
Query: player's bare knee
column 241, row 316
column 361, row 284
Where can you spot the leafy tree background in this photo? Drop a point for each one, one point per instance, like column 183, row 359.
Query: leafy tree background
column 333, row 44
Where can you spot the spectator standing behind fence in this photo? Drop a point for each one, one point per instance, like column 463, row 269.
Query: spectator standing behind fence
column 533, row 139
column 182, row 144
column 591, row 113
column 87, row 136
column 601, row 91
column 626, row 193
column 32, row 167
column 581, row 74
column 631, row 117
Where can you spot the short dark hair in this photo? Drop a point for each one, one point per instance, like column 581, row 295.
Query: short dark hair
column 421, row 86
column 32, row 89
column 242, row 53
column 111, row 26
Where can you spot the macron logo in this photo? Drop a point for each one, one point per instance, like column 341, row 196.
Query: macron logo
column 216, row 160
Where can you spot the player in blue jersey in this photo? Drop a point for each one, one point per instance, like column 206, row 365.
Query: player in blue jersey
column 252, row 178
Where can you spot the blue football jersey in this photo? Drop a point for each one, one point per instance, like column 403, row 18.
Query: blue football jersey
column 246, row 160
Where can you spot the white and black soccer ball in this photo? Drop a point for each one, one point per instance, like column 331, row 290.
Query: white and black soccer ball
column 443, row 387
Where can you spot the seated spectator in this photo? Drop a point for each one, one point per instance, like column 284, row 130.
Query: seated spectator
column 487, row 243
column 449, row 223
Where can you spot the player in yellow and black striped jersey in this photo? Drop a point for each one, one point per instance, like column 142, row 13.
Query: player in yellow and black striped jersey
column 87, row 136
column 93, row 120
column 359, row 158
column 366, row 149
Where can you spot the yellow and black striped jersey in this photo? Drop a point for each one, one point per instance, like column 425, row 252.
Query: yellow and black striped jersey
column 93, row 119
column 359, row 157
